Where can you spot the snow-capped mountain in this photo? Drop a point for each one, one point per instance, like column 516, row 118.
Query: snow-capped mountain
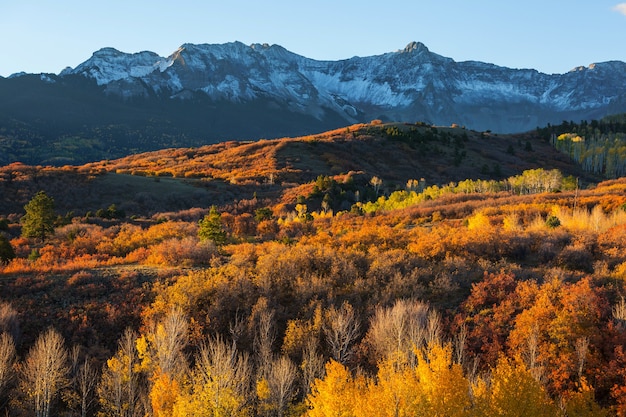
column 116, row 103
column 412, row 84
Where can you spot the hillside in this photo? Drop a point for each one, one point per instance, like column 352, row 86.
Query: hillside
column 316, row 274
column 476, row 275
column 182, row 178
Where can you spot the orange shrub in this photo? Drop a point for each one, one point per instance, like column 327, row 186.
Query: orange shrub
column 243, row 225
column 268, row 229
column 80, row 278
column 21, row 246
column 188, row 251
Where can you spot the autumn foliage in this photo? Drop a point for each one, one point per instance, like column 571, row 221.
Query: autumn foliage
column 468, row 299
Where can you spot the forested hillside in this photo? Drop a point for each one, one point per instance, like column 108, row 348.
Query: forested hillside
column 300, row 277
column 282, row 170
column 598, row 146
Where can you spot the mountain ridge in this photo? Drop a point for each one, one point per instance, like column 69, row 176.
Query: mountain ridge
column 392, row 79
column 207, row 93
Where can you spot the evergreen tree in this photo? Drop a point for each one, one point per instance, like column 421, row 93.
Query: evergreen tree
column 510, row 150
column 211, row 227
column 6, row 250
column 38, row 222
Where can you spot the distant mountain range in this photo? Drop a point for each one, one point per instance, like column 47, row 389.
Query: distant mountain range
column 116, row 103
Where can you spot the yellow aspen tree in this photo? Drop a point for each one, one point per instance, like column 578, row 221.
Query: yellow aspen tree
column 120, row 390
column 512, row 391
column 220, row 386
column 163, row 359
column 446, row 390
column 335, row 394
column 163, row 395
column 263, row 396
column 394, row 393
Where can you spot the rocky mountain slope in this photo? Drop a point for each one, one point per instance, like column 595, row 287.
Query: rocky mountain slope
column 208, row 93
column 407, row 85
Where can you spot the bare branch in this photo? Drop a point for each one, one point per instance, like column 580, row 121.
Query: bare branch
column 341, row 330
column 45, row 371
column 7, row 359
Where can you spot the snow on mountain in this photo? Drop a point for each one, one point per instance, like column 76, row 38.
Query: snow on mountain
column 410, row 84
column 109, row 64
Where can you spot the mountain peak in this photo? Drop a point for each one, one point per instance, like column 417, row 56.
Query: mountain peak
column 107, row 52
column 109, row 64
column 415, row 46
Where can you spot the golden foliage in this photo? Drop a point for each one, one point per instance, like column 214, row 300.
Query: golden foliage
column 336, row 394
column 512, row 391
column 163, row 395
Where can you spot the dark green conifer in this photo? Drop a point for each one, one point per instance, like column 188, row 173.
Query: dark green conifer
column 38, row 222
column 6, row 250
column 211, row 227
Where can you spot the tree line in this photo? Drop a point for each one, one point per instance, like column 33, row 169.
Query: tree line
column 598, row 146
column 532, row 181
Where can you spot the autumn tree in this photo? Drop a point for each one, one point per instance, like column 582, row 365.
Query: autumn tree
column 163, row 348
column 220, row 383
column 278, row 388
column 341, row 330
column 436, row 386
column 81, row 397
column 444, row 386
column 582, row 403
column 38, row 222
column 335, row 394
column 376, row 182
column 394, row 392
column 45, row 371
column 312, row 365
column 263, row 341
column 162, row 356
column 396, row 331
column 512, row 391
column 119, row 390
column 86, row 382
column 559, row 332
column 487, row 313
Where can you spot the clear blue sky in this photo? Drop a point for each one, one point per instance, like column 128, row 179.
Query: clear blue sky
column 551, row 36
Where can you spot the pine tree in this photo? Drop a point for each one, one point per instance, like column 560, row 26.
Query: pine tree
column 211, row 227
column 38, row 222
column 6, row 250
